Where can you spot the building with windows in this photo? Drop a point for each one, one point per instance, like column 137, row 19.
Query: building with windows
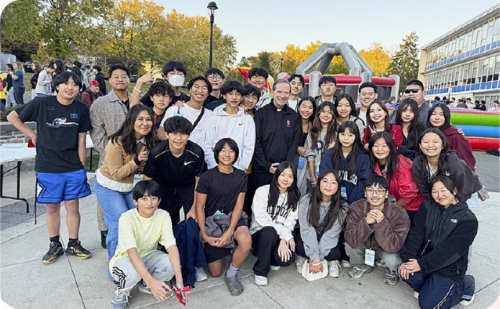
column 465, row 62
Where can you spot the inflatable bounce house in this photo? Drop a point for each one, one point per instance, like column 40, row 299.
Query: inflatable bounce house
column 482, row 129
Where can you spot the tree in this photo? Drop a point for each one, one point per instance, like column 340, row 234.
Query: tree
column 405, row 62
column 377, row 58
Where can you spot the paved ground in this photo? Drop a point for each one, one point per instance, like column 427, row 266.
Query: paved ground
column 70, row 283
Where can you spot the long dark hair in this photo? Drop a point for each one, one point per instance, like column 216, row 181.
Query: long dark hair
column 293, row 190
column 446, row 114
column 423, row 165
column 351, row 104
column 391, row 163
column 313, row 102
column 316, row 199
column 415, row 128
column 370, row 123
column 357, row 147
column 127, row 134
column 316, row 127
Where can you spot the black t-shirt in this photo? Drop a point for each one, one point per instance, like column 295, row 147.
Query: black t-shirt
column 57, row 128
column 222, row 190
column 171, row 172
column 146, row 99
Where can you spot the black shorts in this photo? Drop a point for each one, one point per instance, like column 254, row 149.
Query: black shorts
column 213, row 254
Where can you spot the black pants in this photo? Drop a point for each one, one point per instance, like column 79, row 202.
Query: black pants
column 411, row 215
column 19, row 95
column 255, row 180
column 333, row 255
column 173, row 200
column 266, row 243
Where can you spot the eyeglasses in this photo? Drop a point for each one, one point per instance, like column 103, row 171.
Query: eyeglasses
column 118, row 77
column 196, row 87
column 214, row 77
column 377, row 192
column 412, row 90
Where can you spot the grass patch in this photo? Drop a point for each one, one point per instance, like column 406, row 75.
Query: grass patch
column 95, row 162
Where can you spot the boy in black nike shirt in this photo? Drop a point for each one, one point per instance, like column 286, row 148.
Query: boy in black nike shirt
column 176, row 164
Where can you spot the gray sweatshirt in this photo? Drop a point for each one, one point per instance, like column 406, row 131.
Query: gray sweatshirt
column 318, row 250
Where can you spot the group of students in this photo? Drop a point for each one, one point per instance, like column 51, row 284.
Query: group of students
column 312, row 184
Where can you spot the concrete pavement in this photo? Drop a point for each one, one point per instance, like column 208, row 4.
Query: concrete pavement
column 70, row 283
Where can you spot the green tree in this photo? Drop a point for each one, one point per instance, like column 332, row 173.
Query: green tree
column 405, row 62
column 377, row 58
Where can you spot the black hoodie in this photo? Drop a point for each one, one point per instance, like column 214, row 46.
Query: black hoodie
column 440, row 239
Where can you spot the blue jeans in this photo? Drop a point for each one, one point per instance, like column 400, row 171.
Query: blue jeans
column 113, row 204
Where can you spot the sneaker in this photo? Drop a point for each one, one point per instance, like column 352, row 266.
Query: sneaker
column 416, row 294
column 466, row 302
column 358, row 271
column 234, row 285
column 104, row 235
column 275, row 267
column 144, row 288
column 201, row 275
column 346, row 264
column 55, row 251
column 391, row 278
column 120, row 300
column 299, row 262
column 334, row 269
column 76, row 248
column 260, row 280
column 379, row 263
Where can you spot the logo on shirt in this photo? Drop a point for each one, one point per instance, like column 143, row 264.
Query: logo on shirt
column 51, row 108
column 60, row 122
column 73, row 115
column 288, row 123
column 186, row 163
column 240, row 124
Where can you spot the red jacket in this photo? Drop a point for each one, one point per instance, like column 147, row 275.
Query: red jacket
column 396, row 133
column 458, row 143
column 402, row 185
column 88, row 97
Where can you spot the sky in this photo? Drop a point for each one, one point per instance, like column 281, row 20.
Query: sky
column 271, row 25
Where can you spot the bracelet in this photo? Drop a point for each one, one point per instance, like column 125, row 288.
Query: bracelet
column 316, row 264
column 137, row 90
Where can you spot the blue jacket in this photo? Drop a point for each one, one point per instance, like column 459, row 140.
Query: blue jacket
column 187, row 237
column 354, row 185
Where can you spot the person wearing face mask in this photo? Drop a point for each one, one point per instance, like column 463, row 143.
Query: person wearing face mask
column 175, row 72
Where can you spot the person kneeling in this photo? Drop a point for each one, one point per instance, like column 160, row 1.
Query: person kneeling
column 219, row 211
column 322, row 213
column 139, row 232
column 375, row 229
column 274, row 214
column 435, row 254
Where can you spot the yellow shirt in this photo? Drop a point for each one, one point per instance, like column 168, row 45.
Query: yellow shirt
column 135, row 231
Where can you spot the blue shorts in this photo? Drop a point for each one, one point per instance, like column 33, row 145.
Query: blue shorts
column 54, row 188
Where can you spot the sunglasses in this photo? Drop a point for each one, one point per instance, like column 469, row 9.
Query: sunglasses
column 412, row 90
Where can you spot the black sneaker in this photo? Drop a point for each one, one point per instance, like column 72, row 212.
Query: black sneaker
column 104, row 234
column 75, row 248
column 55, row 251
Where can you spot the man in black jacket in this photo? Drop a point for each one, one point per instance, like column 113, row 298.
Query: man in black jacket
column 277, row 133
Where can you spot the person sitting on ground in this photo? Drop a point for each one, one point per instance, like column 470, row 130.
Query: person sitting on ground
column 221, row 192
column 137, row 259
column 322, row 214
column 378, row 227
column 436, row 251
column 274, row 215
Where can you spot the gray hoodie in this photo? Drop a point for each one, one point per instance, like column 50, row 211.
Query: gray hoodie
column 318, row 250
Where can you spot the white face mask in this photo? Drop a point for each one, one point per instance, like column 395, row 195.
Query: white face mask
column 176, row 80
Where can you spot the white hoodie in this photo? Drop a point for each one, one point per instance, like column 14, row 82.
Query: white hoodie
column 239, row 127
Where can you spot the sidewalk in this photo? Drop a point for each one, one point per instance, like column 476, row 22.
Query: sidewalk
column 71, row 283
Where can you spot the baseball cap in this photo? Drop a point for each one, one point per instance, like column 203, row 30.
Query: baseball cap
column 94, row 83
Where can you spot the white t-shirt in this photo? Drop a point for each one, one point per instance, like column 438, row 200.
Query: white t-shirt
column 362, row 116
column 191, row 114
column 293, row 104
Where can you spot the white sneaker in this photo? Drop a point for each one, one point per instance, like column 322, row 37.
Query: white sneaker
column 466, row 302
column 416, row 294
column 275, row 267
column 260, row 280
column 334, row 269
column 299, row 262
column 200, row 274
column 346, row 264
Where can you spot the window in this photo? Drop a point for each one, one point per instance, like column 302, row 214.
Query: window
column 496, row 71
column 484, row 71
column 469, row 41
column 474, row 73
column 491, row 69
column 489, row 37
column 496, row 30
column 456, row 73
column 474, row 38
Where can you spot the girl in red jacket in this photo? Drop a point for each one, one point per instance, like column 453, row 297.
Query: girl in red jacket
column 387, row 162
column 439, row 117
column 377, row 120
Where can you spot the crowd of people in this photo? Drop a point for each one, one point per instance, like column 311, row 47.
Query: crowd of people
column 232, row 170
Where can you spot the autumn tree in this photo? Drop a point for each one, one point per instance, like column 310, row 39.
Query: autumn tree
column 377, row 58
column 405, row 62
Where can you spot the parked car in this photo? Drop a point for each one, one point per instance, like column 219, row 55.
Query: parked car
column 27, row 66
column 133, row 78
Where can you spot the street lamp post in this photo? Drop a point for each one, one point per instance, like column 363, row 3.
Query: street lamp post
column 212, row 7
